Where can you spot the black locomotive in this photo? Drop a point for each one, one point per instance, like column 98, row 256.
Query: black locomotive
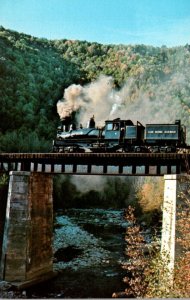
column 120, row 136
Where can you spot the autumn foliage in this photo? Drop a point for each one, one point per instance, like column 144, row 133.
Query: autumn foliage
column 146, row 271
column 136, row 262
column 150, row 195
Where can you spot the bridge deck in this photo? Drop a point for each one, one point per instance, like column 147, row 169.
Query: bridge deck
column 144, row 164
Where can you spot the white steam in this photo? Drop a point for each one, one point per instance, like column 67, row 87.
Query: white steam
column 95, row 98
column 87, row 183
column 100, row 99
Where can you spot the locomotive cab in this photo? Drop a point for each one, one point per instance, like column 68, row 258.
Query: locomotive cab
column 112, row 130
column 124, row 135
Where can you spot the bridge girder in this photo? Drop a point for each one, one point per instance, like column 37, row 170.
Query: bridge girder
column 134, row 164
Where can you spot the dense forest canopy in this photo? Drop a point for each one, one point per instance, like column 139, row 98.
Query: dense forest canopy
column 34, row 74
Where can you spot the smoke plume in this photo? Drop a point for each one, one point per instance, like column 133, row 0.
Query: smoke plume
column 157, row 103
column 95, row 98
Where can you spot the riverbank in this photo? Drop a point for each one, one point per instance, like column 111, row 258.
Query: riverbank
column 88, row 253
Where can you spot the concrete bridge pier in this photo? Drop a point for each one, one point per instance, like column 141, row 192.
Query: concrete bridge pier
column 27, row 242
column 175, row 192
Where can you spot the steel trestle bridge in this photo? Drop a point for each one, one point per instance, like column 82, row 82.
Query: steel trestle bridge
column 126, row 164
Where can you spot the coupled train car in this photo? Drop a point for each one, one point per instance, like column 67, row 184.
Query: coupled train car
column 121, row 136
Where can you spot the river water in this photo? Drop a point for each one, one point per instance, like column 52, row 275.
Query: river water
column 88, row 252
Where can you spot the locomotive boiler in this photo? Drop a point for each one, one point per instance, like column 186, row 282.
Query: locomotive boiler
column 120, row 135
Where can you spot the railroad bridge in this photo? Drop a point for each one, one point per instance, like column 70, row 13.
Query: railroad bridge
column 140, row 164
column 26, row 227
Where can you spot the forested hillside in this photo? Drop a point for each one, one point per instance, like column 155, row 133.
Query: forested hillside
column 35, row 72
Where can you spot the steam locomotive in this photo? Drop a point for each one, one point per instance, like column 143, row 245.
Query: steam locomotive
column 120, row 136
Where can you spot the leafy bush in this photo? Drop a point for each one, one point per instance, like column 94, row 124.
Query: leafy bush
column 147, row 269
column 137, row 262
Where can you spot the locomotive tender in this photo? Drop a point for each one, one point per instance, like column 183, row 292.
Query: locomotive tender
column 120, row 136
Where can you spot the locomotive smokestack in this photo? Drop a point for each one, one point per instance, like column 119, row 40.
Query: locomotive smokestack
column 91, row 123
column 66, row 123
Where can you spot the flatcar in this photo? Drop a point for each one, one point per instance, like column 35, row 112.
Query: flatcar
column 120, row 135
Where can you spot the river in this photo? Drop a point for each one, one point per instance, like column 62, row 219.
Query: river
column 88, row 252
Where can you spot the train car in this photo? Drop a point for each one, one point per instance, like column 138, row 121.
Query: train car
column 116, row 136
column 165, row 137
column 120, row 136
column 72, row 139
column 124, row 136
